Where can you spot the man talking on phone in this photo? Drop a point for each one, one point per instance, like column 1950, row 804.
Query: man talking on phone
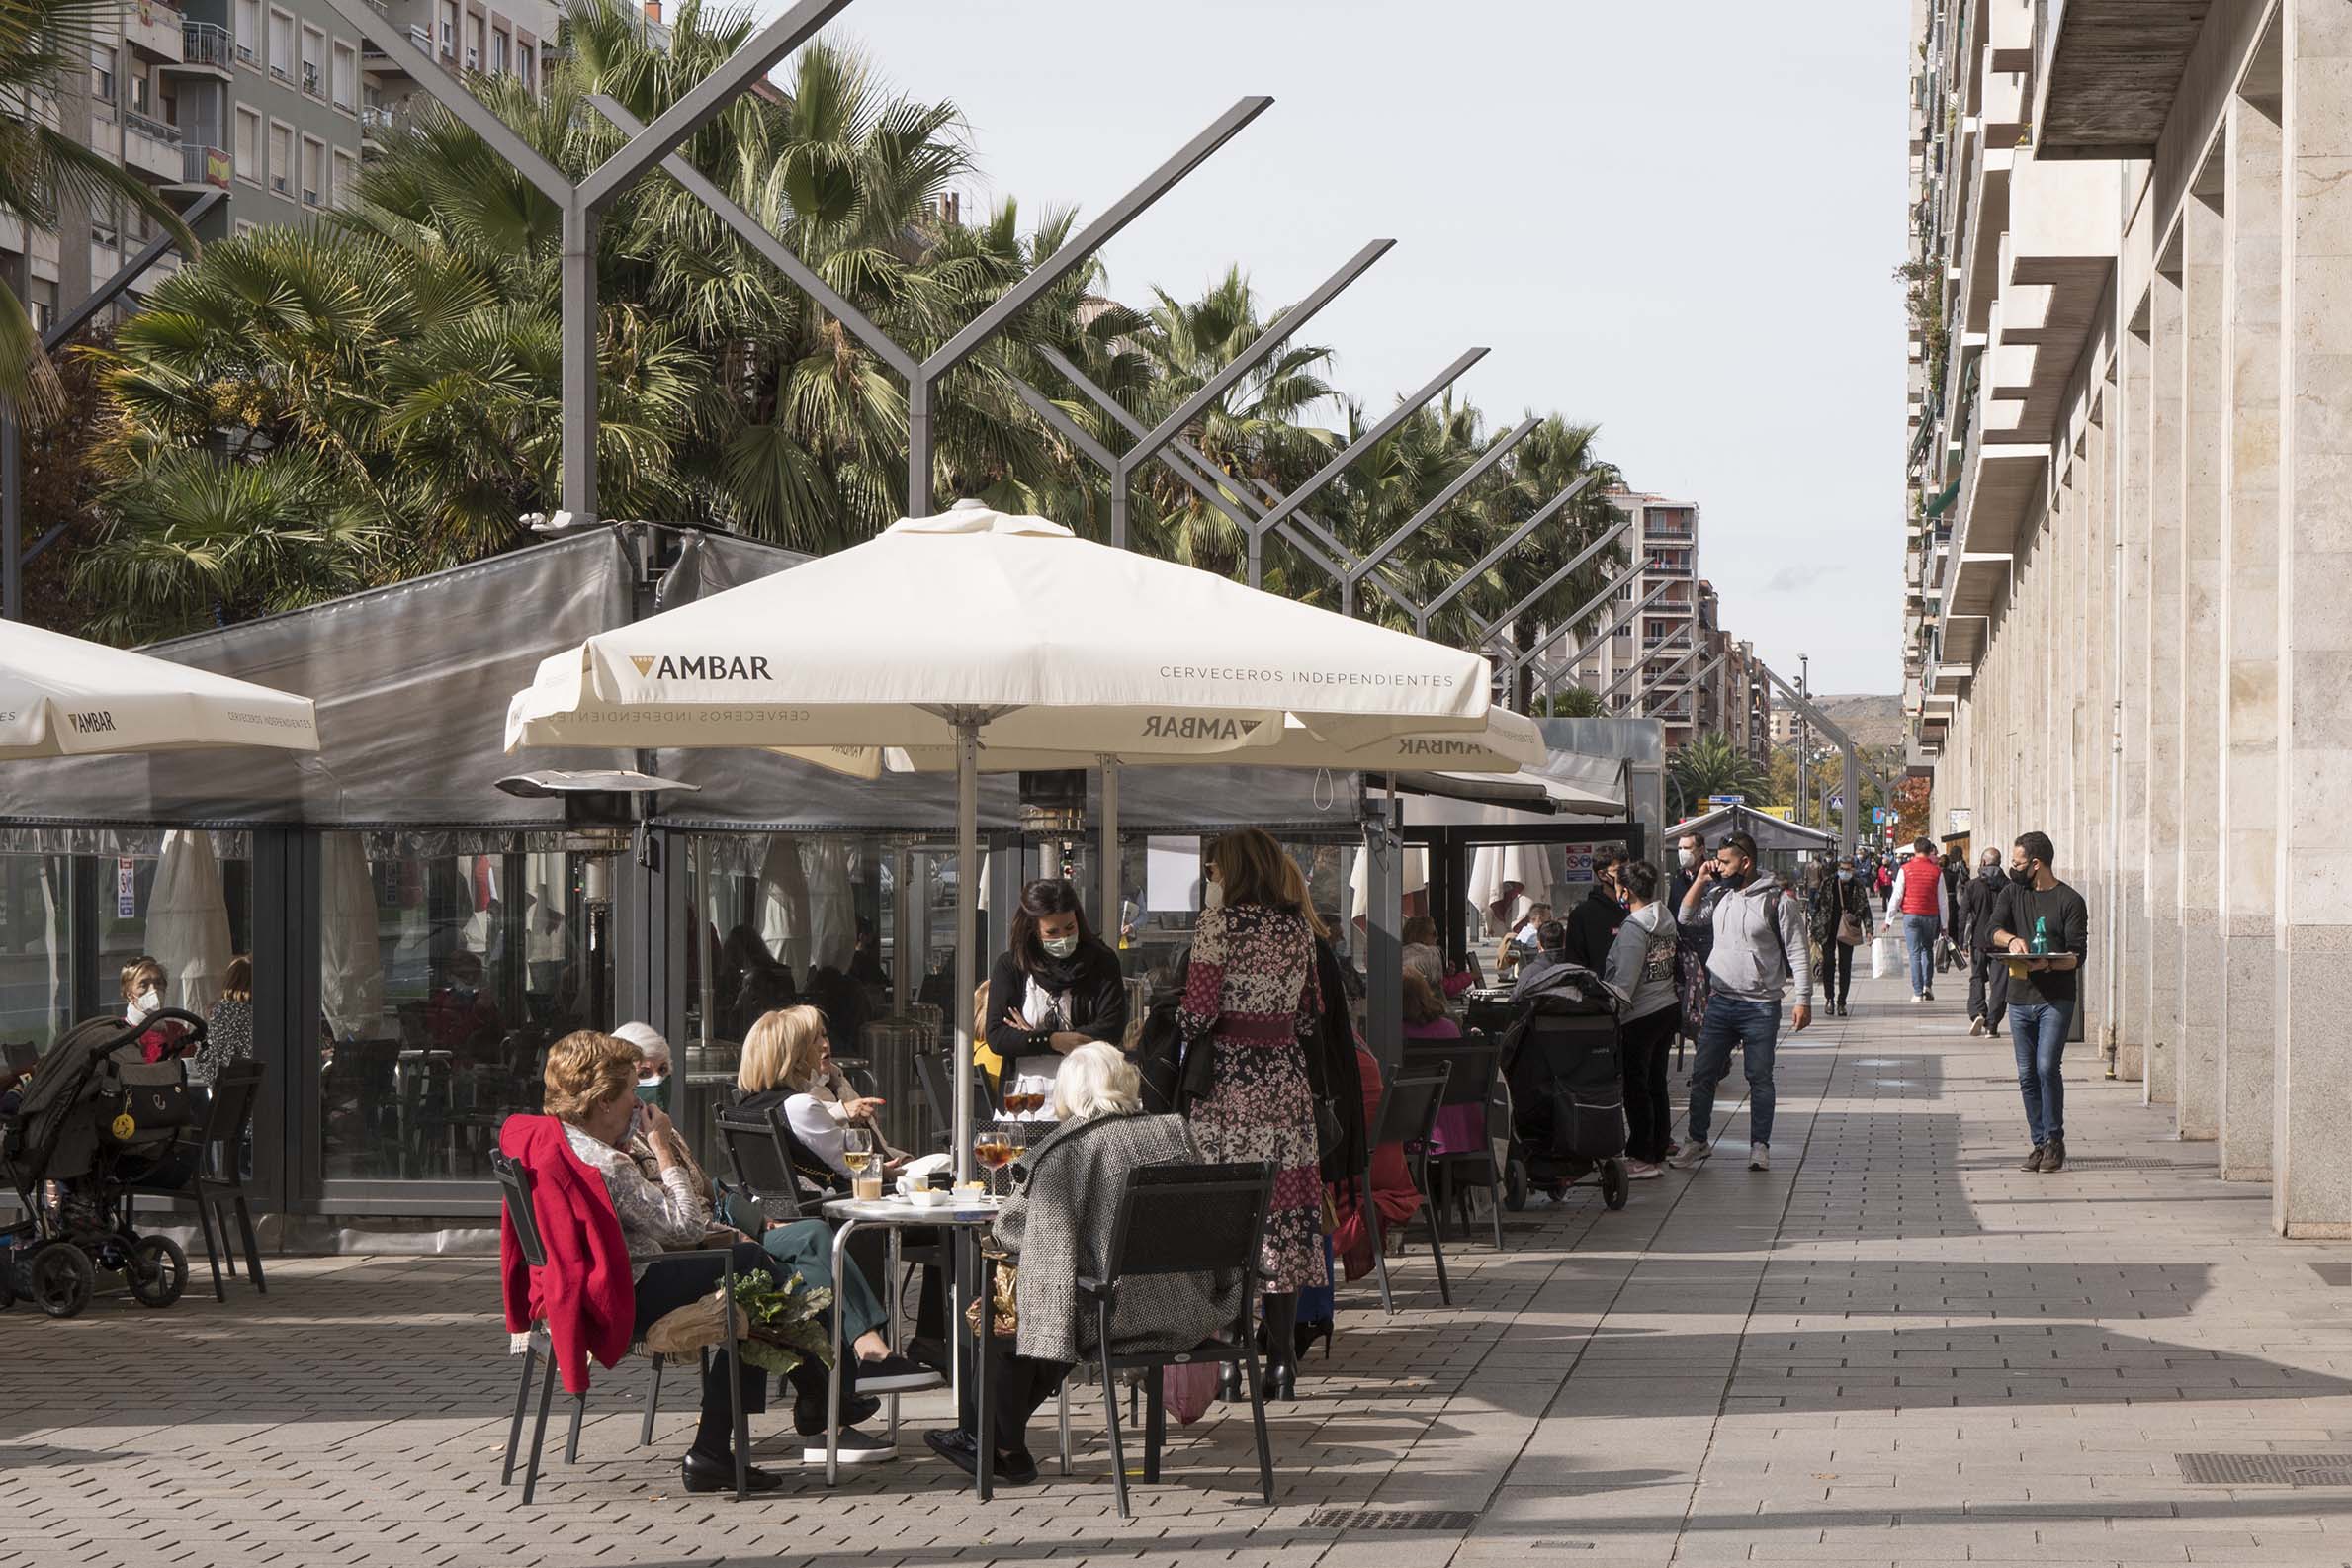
column 1760, row 949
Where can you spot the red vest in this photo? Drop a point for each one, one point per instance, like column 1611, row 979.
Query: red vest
column 1921, row 878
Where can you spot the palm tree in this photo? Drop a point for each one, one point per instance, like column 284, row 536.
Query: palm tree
column 1572, row 702
column 46, row 171
column 1708, row 764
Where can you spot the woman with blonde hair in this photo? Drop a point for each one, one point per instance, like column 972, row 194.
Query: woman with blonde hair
column 1057, row 1224
column 1252, row 1008
column 784, row 1063
column 592, row 1089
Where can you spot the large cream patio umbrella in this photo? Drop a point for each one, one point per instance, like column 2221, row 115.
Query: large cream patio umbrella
column 61, row 696
column 973, row 626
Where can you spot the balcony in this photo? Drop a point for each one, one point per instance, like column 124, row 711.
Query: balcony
column 205, row 167
column 153, row 28
column 313, row 81
column 151, row 147
column 2108, row 73
column 205, row 51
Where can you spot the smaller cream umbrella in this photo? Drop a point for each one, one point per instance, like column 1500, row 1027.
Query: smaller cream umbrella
column 61, row 696
column 188, row 921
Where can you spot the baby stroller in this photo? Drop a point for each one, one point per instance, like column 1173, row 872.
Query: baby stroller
column 1562, row 1063
column 96, row 1121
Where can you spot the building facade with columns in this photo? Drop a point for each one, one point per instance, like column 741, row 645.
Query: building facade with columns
column 2132, row 427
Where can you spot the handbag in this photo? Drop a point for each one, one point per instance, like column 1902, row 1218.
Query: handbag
column 1851, row 932
column 1006, row 1318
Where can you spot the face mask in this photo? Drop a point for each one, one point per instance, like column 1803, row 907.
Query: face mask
column 1065, row 946
column 1212, row 896
column 1845, row 876
column 655, row 1090
column 2024, row 879
column 1689, row 858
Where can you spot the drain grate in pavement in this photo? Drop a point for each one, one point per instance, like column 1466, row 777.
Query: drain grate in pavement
column 2333, row 1274
column 2266, row 1469
column 2133, row 1162
column 1448, row 1519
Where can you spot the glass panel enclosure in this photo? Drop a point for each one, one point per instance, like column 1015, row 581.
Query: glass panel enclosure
column 443, row 979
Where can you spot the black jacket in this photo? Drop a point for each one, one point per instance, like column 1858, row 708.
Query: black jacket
column 1592, row 930
column 1976, row 901
column 1097, row 998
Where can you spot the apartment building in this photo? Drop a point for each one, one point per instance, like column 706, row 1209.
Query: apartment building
column 255, row 99
column 513, row 38
column 1672, row 660
column 2133, row 304
column 1639, row 668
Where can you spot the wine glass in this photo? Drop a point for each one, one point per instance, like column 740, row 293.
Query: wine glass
column 857, row 1155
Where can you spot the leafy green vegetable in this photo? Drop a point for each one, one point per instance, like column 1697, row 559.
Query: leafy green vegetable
column 786, row 1321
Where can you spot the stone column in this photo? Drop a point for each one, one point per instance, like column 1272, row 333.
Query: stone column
column 2159, row 813
column 2312, row 1194
column 2129, row 690
column 2247, row 680
column 2186, row 1002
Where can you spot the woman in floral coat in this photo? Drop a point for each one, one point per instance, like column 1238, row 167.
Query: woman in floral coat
column 1251, row 1001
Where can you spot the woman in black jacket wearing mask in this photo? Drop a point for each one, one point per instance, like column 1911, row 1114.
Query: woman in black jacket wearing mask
column 1056, row 987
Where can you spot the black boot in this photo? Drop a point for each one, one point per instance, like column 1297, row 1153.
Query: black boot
column 1282, row 1345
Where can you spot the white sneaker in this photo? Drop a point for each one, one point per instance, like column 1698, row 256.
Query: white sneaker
column 1690, row 1156
column 1759, row 1157
column 1643, row 1171
column 856, row 1448
column 1917, row 996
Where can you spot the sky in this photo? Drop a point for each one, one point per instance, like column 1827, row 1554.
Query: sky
column 1675, row 218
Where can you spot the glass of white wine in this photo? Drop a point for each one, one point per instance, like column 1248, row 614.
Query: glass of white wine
column 865, row 1171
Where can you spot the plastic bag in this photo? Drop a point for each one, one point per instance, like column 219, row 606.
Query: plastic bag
column 1188, row 1387
column 1882, row 958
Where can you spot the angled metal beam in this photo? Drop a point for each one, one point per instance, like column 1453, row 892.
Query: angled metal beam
column 1095, row 235
column 1405, row 409
column 1117, row 217
column 13, row 554
column 1568, row 627
column 1488, row 627
column 705, row 99
column 1330, row 540
column 391, row 39
column 772, row 250
column 1187, row 463
column 1647, row 686
column 1443, row 499
column 1852, row 782
column 1511, row 542
column 1286, row 326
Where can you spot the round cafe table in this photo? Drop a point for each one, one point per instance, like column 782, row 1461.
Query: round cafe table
column 967, row 1217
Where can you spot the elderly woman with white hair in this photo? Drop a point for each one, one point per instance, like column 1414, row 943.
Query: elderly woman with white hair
column 1057, row 1225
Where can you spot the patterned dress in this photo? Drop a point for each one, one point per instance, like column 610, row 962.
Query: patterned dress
column 1250, row 996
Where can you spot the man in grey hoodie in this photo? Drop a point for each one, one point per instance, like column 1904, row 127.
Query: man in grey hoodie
column 1760, row 949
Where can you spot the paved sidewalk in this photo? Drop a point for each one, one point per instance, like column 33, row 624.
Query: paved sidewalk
column 1893, row 1348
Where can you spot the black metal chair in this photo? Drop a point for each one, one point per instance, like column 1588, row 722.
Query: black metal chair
column 215, row 1182
column 1477, row 1080
column 515, row 1188
column 930, row 1073
column 1179, row 1219
column 760, row 1159
column 1409, row 1106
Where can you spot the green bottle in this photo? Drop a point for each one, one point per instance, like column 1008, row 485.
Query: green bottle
column 2041, row 944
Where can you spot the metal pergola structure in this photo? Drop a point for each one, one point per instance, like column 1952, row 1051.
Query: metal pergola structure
column 14, row 557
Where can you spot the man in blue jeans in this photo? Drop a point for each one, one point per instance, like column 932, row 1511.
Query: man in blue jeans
column 1920, row 900
column 1760, row 948
column 2041, row 926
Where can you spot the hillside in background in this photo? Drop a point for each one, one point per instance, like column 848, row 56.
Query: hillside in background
column 1873, row 721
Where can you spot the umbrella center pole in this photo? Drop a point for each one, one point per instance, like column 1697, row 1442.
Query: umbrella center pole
column 967, row 723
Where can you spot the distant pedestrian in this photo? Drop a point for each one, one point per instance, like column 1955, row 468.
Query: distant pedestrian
column 1639, row 969
column 1918, row 897
column 1593, row 923
column 1988, row 976
column 1955, row 877
column 1759, row 952
column 2045, row 923
column 1841, row 924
